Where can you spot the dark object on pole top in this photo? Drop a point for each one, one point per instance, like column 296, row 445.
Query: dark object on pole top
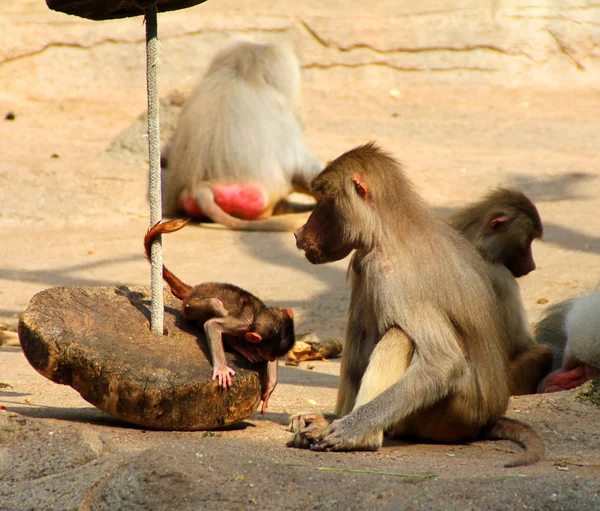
column 111, row 9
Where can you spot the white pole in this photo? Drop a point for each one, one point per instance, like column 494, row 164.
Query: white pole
column 157, row 317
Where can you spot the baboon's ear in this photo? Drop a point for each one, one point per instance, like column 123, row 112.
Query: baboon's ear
column 361, row 187
column 497, row 223
column 253, row 337
column 289, row 312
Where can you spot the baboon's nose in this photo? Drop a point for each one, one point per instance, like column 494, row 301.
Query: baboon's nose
column 298, row 235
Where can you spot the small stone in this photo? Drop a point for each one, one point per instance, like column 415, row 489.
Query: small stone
column 8, row 337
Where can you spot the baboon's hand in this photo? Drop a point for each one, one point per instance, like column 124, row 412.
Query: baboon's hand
column 222, row 375
column 306, row 428
column 344, row 435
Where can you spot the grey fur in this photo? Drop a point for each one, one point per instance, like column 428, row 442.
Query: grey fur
column 552, row 331
column 240, row 125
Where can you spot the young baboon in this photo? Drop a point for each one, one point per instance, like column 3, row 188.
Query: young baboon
column 423, row 354
column 572, row 329
column 238, row 150
column 230, row 314
column 502, row 226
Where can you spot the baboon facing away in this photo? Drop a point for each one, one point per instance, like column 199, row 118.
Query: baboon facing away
column 572, row 329
column 238, row 149
column 423, row 352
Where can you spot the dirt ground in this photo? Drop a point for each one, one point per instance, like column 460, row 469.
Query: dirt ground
column 488, row 111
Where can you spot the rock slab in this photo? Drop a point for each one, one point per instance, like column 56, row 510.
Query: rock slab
column 98, row 341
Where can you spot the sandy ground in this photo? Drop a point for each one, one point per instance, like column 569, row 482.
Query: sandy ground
column 74, row 213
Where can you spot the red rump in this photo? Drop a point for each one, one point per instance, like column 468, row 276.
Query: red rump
column 190, row 207
column 565, row 380
column 247, row 201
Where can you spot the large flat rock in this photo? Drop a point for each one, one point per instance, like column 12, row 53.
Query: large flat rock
column 97, row 340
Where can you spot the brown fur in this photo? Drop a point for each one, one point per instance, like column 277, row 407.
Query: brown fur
column 240, row 125
column 507, row 245
column 229, row 313
column 423, row 352
column 502, row 227
column 178, row 288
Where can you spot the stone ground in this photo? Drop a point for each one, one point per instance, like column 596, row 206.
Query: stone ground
column 481, row 95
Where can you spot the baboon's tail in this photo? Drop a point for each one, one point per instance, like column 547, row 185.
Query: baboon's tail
column 524, row 435
column 178, row 288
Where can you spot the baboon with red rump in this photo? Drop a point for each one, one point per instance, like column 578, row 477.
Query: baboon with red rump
column 238, row 149
column 502, row 226
column 572, row 329
column 232, row 315
column 424, row 355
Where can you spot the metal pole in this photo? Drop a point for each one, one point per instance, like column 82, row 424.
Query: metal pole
column 154, row 156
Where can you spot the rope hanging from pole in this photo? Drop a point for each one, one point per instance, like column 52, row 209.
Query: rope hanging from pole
column 151, row 17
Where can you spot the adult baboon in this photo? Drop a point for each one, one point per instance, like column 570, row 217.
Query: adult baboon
column 238, row 150
column 424, row 354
